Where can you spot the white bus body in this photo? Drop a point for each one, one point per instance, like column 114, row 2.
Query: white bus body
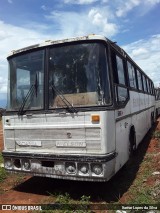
column 88, row 142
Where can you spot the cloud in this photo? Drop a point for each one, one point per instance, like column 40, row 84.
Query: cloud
column 141, row 52
column 94, row 20
column 43, row 7
column 3, row 83
column 146, row 53
column 152, row 2
column 68, row 23
column 126, row 6
column 80, row 1
column 85, row 2
column 99, row 20
column 10, row 1
column 13, row 37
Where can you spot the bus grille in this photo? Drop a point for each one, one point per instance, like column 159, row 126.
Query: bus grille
column 46, row 140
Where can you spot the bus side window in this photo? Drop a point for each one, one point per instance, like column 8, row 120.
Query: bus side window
column 144, row 83
column 132, row 76
column 120, row 70
column 153, row 88
column 147, row 85
column 119, row 79
column 139, row 78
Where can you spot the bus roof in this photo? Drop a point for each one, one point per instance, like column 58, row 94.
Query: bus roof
column 74, row 39
column 52, row 42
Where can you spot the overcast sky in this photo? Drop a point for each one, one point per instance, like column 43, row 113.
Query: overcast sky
column 133, row 24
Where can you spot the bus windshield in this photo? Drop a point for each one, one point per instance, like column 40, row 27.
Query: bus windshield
column 77, row 75
column 80, row 73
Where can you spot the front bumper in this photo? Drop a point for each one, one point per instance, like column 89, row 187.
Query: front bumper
column 74, row 167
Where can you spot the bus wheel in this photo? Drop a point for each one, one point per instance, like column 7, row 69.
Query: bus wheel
column 132, row 141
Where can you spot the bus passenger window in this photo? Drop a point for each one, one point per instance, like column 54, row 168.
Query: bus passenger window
column 122, row 94
column 150, row 89
column 120, row 70
column 139, row 77
column 121, row 90
column 144, row 83
column 132, row 77
column 147, row 85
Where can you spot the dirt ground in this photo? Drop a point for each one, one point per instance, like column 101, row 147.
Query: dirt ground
column 24, row 189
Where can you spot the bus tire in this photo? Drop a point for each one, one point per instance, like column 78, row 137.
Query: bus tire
column 132, row 141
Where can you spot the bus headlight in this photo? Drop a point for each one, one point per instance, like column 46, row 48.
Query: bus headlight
column 26, row 165
column 8, row 163
column 83, row 168
column 17, row 164
column 97, row 169
column 71, row 168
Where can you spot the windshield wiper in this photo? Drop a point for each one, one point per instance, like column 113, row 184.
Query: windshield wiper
column 65, row 101
column 31, row 91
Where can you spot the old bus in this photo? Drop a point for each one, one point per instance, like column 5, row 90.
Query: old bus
column 77, row 109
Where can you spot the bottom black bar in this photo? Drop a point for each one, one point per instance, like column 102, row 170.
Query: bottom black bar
column 93, row 207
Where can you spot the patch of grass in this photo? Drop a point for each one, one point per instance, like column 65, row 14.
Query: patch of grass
column 3, row 173
column 1, row 158
column 140, row 192
column 65, row 203
column 142, row 195
column 156, row 134
column 68, row 203
column 63, row 199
